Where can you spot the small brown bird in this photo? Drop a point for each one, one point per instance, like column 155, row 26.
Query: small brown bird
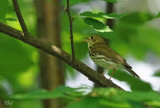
column 105, row 57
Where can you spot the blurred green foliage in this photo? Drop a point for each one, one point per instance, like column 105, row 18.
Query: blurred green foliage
column 157, row 73
column 97, row 98
column 111, row 1
column 20, row 61
column 133, row 34
column 73, row 2
column 3, row 9
column 20, row 58
column 133, row 82
column 59, row 92
column 137, row 35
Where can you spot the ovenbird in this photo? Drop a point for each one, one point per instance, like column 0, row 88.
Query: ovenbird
column 105, row 57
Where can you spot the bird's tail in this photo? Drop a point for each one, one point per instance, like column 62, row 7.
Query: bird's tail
column 129, row 69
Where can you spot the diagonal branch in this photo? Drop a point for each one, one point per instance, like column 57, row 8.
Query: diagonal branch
column 20, row 18
column 71, row 30
column 62, row 55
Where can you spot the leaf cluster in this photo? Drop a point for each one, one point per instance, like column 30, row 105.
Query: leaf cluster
column 97, row 98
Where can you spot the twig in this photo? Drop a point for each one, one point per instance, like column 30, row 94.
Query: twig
column 20, row 18
column 62, row 55
column 71, row 30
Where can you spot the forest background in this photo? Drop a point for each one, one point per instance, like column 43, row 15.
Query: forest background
column 30, row 77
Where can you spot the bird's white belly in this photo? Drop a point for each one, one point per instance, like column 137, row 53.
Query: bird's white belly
column 103, row 63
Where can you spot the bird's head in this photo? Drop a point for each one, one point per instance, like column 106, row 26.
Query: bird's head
column 94, row 39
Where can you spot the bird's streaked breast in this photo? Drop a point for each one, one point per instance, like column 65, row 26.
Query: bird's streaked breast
column 100, row 59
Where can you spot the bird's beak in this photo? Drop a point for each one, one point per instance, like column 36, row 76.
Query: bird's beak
column 86, row 39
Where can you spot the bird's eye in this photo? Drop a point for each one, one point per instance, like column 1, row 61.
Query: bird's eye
column 91, row 37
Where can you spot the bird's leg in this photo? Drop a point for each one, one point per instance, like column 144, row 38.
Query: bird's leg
column 112, row 74
column 106, row 70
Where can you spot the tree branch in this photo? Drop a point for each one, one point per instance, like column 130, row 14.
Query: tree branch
column 62, row 55
column 71, row 30
column 20, row 18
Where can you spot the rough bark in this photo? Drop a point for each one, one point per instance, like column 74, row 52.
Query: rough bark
column 48, row 29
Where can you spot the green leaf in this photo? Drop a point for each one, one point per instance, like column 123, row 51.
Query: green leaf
column 157, row 73
column 73, row 2
column 102, row 15
column 158, row 15
column 97, row 25
column 136, row 104
column 134, row 82
column 142, row 96
column 59, row 92
column 112, row 97
column 86, row 102
column 111, row 1
column 113, row 104
column 98, row 98
column 4, row 4
column 8, row 19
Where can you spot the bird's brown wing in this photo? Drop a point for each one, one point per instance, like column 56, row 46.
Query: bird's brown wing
column 109, row 53
column 113, row 56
